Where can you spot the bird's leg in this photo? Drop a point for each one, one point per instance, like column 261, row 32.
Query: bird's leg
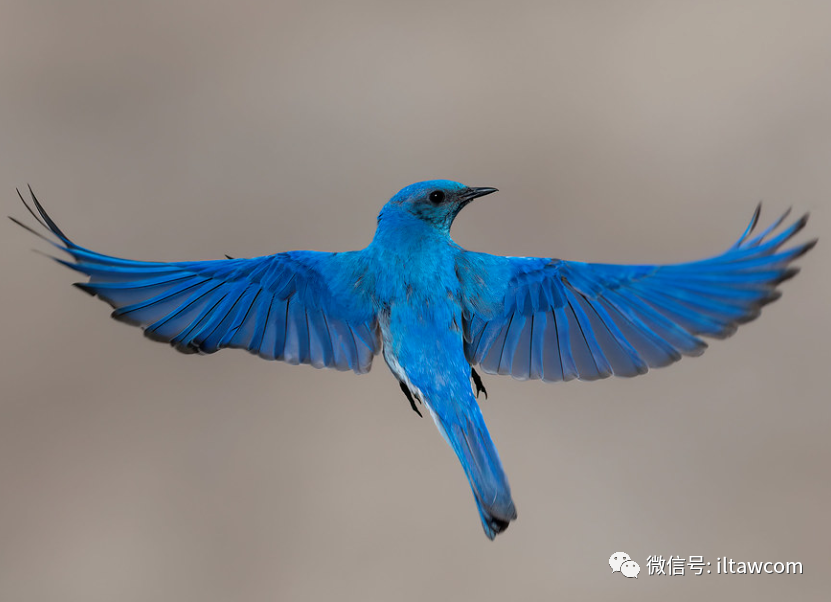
column 409, row 397
column 477, row 381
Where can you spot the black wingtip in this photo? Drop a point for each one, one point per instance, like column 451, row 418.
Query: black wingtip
column 793, row 230
column 30, row 210
column 800, row 223
column 48, row 220
column 770, row 298
column 805, row 248
column 28, row 228
column 755, row 219
column 778, row 222
column 84, row 287
column 41, row 217
column 785, row 215
column 786, row 275
column 750, row 227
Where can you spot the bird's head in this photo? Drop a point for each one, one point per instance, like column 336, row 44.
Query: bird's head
column 436, row 202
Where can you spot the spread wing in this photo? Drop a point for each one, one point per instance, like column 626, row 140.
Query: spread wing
column 300, row 307
column 559, row 320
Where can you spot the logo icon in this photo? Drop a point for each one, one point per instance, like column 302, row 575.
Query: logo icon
column 622, row 563
column 617, row 559
column 630, row 568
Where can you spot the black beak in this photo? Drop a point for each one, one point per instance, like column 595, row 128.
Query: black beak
column 475, row 192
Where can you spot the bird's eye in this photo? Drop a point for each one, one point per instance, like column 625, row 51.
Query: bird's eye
column 437, row 196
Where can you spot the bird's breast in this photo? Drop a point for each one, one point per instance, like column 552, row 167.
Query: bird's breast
column 425, row 278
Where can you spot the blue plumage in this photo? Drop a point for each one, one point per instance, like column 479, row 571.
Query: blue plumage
column 436, row 310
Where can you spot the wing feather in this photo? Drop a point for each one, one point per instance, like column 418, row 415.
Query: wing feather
column 300, row 307
column 558, row 320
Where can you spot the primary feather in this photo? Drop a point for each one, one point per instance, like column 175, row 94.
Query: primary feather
column 559, row 320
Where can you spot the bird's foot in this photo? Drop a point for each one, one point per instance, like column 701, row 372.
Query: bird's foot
column 477, row 382
column 410, row 398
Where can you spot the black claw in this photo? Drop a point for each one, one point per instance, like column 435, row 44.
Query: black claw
column 477, row 382
column 409, row 395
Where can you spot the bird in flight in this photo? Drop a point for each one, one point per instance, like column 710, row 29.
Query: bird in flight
column 436, row 310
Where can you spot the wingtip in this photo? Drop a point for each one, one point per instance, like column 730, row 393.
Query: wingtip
column 750, row 227
column 84, row 287
column 794, row 229
column 48, row 220
column 756, row 214
column 805, row 248
column 786, row 275
column 29, row 229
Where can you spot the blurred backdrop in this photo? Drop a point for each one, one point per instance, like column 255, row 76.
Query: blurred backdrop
column 617, row 132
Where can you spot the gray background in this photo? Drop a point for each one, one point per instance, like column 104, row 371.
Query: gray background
column 616, row 131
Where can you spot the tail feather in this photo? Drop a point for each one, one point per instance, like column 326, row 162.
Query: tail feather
column 468, row 436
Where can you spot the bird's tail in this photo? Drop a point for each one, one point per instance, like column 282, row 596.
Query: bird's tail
column 467, row 434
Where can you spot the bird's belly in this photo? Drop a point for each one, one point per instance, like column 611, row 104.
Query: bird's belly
column 423, row 345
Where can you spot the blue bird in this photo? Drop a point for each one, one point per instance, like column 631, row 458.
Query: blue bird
column 436, row 310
